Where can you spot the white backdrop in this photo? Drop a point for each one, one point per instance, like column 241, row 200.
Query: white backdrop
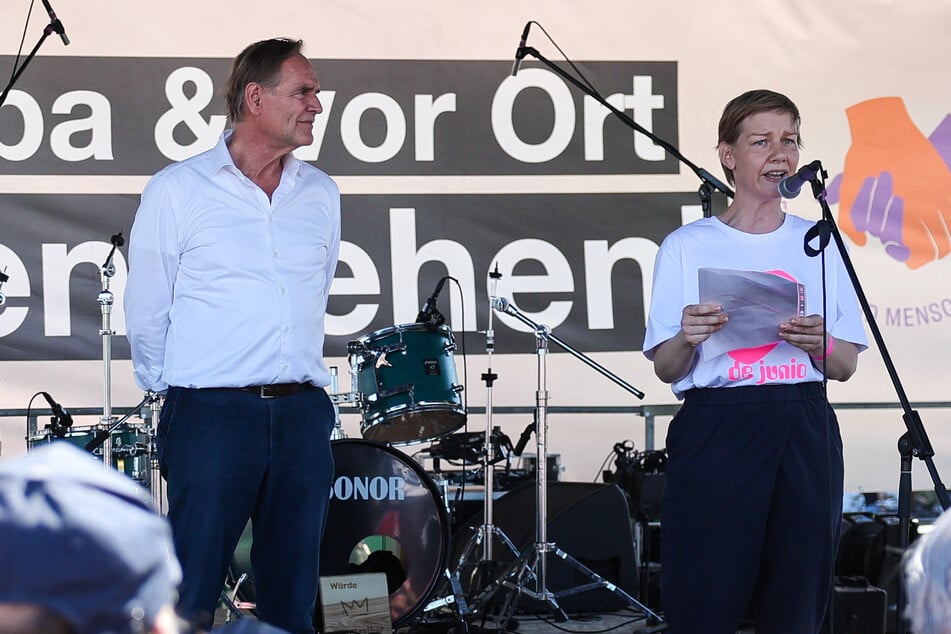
column 826, row 57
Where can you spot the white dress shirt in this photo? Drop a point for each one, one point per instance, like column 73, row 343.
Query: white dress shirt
column 227, row 288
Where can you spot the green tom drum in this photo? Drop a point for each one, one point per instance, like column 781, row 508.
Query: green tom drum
column 407, row 375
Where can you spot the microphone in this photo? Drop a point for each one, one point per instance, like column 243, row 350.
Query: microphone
column 428, row 314
column 60, row 415
column 503, row 305
column 790, row 186
column 56, row 23
column 520, row 51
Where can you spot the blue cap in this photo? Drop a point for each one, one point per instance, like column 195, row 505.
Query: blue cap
column 83, row 540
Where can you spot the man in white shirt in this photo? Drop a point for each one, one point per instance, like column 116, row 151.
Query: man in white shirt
column 232, row 254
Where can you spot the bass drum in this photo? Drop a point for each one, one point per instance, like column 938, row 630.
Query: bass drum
column 386, row 515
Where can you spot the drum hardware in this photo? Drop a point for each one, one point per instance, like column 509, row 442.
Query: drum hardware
column 336, row 398
column 640, row 474
column 486, row 534
column 156, row 486
column 516, row 580
column 468, row 447
column 555, row 469
column 3, row 278
column 104, row 436
column 232, row 605
column 105, row 300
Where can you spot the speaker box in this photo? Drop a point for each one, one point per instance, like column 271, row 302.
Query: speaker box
column 590, row 522
column 858, row 608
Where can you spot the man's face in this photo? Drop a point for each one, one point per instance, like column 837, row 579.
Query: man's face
column 289, row 108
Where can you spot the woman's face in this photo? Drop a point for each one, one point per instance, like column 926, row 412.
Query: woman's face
column 766, row 150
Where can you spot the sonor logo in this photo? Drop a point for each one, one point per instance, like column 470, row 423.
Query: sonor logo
column 368, row 488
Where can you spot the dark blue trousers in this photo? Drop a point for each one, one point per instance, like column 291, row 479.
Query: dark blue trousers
column 228, row 456
column 751, row 511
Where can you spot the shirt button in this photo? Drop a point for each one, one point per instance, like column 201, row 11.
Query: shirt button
column 283, row 291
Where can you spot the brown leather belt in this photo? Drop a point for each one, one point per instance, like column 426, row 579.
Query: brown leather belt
column 277, row 390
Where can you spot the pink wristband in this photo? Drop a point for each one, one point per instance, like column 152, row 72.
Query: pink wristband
column 828, row 350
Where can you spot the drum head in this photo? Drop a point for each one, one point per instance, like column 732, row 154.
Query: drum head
column 385, row 515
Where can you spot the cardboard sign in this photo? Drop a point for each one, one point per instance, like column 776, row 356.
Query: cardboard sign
column 356, row 603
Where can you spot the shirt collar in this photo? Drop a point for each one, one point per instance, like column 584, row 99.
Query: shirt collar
column 221, row 158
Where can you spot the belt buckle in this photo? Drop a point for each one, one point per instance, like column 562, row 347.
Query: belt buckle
column 264, row 392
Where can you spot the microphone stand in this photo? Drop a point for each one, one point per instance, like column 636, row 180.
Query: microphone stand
column 533, row 563
column 914, row 443
column 55, row 26
column 709, row 182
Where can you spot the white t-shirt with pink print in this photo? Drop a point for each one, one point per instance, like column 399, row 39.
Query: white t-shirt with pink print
column 710, row 243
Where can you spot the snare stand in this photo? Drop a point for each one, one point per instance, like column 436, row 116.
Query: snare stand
column 533, row 563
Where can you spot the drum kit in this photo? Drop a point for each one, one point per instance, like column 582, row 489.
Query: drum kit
column 386, row 514
column 126, row 446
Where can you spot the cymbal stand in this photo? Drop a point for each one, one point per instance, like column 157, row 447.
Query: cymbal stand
column 105, row 299
column 532, row 565
column 487, row 530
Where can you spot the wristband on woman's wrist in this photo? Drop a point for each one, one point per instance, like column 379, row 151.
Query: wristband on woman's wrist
column 826, row 352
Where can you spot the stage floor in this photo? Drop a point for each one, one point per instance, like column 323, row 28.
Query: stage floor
column 618, row 621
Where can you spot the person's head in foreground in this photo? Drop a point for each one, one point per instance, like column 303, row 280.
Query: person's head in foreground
column 81, row 549
column 928, row 580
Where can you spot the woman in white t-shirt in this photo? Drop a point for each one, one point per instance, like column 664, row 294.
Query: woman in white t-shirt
column 753, row 491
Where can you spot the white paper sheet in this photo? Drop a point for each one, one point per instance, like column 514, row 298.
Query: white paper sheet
column 755, row 302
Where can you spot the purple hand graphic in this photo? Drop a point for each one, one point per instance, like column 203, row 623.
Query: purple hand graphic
column 879, row 212
column 941, row 139
column 876, row 210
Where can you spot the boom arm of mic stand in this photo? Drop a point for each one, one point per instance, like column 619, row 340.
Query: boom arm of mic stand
column 701, row 173
column 49, row 30
column 544, row 331
column 921, row 445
